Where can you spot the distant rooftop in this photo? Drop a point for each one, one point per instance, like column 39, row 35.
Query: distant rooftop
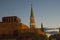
column 10, row 19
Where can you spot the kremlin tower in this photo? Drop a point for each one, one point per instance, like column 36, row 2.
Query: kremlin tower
column 32, row 20
column 42, row 29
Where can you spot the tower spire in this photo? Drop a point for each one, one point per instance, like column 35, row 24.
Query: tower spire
column 42, row 29
column 31, row 10
column 32, row 20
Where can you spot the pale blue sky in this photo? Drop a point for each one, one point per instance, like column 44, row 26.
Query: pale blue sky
column 46, row 11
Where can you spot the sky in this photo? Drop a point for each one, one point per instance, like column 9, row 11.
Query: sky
column 45, row 11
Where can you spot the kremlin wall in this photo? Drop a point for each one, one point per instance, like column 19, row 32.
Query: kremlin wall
column 11, row 23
